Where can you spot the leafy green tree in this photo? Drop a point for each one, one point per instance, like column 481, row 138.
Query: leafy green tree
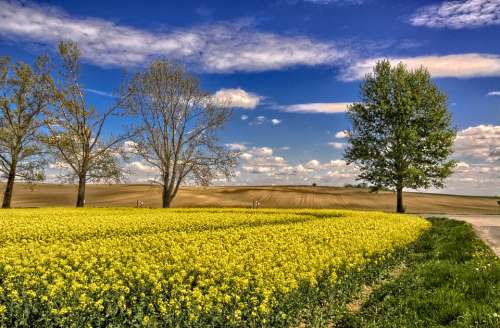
column 75, row 128
column 25, row 94
column 401, row 135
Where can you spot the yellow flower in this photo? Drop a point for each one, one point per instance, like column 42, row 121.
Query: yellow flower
column 185, row 263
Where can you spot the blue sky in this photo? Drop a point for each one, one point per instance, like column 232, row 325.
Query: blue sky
column 289, row 68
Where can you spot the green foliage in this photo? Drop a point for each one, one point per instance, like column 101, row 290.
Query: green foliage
column 401, row 133
column 75, row 130
column 25, row 94
column 452, row 280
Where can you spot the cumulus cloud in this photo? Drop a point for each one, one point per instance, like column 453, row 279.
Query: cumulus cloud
column 456, row 66
column 337, row 145
column 129, row 146
column 244, row 117
column 478, row 142
column 213, row 48
column 477, row 148
column 261, row 120
column 236, row 146
column 322, row 108
column 493, row 93
column 341, row 134
column 237, row 98
column 256, row 169
column 261, row 151
column 313, row 164
column 338, row 163
column 246, row 156
column 458, row 14
column 59, row 166
column 141, row 167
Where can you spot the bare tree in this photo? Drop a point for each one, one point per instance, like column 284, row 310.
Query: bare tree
column 25, row 94
column 177, row 133
column 76, row 130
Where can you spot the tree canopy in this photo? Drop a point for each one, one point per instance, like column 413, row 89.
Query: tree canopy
column 177, row 129
column 401, row 135
column 75, row 127
column 25, row 94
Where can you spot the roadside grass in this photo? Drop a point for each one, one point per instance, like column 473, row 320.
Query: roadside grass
column 450, row 278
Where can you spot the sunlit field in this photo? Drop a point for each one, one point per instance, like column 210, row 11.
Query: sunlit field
column 190, row 267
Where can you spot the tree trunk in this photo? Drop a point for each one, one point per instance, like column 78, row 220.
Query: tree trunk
column 9, row 187
column 400, row 207
column 165, row 196
column 80, row 199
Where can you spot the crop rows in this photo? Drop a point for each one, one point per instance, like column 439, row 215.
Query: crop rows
column 115, row 267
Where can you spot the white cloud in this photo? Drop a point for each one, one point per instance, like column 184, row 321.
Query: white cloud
column 480, row 142
column 260, row 166
column 458, row 14
column 260, row 120
column 129, row 146
column 477, row 149
column 212, row 48
column 140, row 167
column 455, row 66
column 462, row 167
column 493, row 93
column 313, row 164
column 278, row 159
column 338, row 163
column 244, row 117
column 337, row 145
column 99, row 92
column 59, row 166
column 340, row 175
column 236, row 146
column 256, row 169
column 324, row 108
column 246, row 156
column 261, row 151
column 237, row 98
column 341, row 134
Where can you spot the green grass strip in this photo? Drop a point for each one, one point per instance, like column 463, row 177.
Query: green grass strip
column 451, row 279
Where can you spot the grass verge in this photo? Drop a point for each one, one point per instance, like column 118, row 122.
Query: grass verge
column 450, row 279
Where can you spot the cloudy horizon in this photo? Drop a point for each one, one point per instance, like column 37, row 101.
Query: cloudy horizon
column 289, row 83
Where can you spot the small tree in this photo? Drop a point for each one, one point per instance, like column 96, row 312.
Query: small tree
column 76, row 130
column 401, row 133
column 25, row 94
column 177, row 129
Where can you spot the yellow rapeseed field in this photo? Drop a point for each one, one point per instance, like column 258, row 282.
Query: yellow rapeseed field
column 182, row 267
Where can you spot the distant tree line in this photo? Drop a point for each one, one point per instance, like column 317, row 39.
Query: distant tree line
column 401, row 134
column 45, row 116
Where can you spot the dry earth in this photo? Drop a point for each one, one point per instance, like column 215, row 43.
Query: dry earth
column 270, row 196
